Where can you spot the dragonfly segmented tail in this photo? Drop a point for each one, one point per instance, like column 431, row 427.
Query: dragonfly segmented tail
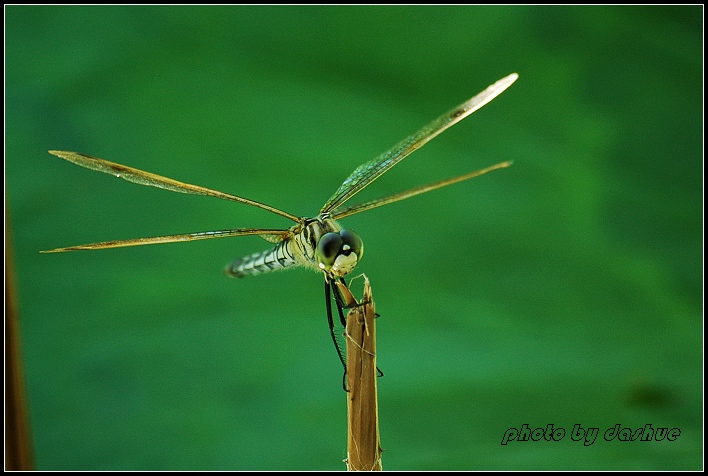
column 274, row 259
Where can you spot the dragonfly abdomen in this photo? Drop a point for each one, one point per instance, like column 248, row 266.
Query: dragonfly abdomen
column 274, row 259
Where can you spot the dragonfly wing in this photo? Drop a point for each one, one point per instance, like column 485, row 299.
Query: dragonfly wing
column 205, row 235
column 362, row 207
column 370, row 171
column 275, row 239
column 152, row 180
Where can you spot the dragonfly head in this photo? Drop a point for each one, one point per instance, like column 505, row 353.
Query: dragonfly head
column 339, row 252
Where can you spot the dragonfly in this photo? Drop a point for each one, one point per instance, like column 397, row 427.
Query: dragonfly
column 318, row 243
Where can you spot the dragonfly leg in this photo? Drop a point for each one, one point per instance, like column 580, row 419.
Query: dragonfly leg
column 341, row 305
column 328, row 301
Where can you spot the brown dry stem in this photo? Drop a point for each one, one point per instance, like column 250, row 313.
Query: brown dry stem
column 363, row 442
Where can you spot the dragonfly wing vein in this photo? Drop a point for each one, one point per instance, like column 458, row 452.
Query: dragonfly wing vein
column 373, row 169
column 149, row 179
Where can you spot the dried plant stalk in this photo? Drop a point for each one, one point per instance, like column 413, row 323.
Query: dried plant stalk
column 363, row 442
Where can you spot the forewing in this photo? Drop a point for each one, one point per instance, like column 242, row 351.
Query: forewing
column 153, row 180
column 370, row 171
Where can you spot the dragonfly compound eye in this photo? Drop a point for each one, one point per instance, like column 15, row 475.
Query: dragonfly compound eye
column 339, row 252
column 327, row 250
column 352, row 243
column 349, row 253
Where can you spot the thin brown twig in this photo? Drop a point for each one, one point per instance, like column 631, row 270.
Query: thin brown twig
column 363, row 442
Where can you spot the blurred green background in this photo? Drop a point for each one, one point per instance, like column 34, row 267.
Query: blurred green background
column 564, row 290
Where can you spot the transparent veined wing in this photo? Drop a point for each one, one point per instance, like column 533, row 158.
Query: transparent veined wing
column 153, row 180
column 379, row 202
column 272, row 236
column 370, row 171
